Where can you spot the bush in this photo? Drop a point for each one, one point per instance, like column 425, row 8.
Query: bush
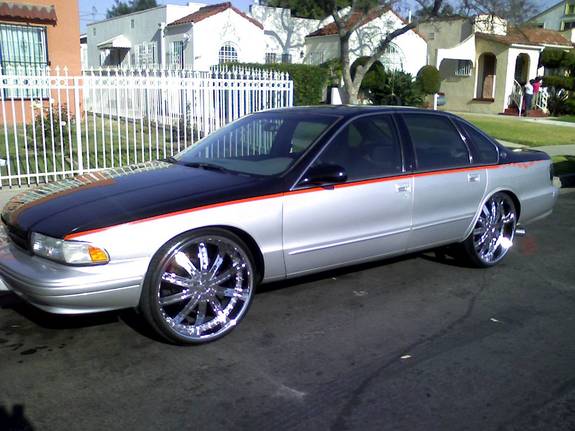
column 308, row 81
column 552, row 57
column 429, row 80
column 557, row 101
column 567, row 83
column 570, row 106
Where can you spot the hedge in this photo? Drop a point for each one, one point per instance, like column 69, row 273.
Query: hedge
column 552, row 57
column 567, row 83
column 308, row 81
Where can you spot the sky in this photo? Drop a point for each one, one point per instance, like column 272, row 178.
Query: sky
column 95, row 10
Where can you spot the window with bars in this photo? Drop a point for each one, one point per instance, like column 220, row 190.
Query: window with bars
column 23, row 51
column 271, row 57
column 145, row 54
column 463, row 68
column 177, row 54
column 286, row 58
column 227, row 53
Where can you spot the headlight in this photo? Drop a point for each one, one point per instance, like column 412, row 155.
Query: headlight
column 71, row 252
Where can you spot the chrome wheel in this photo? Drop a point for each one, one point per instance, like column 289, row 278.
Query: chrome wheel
column 495, row 228
column 202, row 288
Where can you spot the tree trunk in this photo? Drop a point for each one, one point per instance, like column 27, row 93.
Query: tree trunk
column 350, row 91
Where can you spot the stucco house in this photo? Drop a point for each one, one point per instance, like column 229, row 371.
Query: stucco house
column 407, row 53
column 484, row 61
column 34, row 35
column 214, row 34
column 39, row 33
column 559, row 17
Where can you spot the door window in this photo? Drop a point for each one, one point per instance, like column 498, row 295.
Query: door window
column 437, row 143
column 485, row 151
column 366, row 148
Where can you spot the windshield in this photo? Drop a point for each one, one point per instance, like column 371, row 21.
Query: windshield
column 261, row 144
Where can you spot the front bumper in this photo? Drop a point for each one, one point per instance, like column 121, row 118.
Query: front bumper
column 64, row 289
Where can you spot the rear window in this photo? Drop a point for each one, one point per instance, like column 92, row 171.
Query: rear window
column 485, row 151
column 436, row 141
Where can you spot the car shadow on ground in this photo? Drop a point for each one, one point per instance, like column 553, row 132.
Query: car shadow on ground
column 133, row 319
column 14, row 419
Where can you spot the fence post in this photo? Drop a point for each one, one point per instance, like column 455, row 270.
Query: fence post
column 78, row 116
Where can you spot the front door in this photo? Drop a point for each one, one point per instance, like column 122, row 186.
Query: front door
column 367, row 216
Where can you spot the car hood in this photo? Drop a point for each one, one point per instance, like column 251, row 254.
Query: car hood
column 120, row 195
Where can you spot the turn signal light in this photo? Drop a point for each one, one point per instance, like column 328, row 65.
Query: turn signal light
column 97, row 254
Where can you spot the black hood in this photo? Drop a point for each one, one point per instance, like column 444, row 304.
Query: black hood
column 121, row 195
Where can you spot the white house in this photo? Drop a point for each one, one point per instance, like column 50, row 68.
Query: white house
column 133, row 40
column 197, row 36
column 285, row 34
column 214, row 34
column 407, row 53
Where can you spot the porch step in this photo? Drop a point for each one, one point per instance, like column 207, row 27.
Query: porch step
column 535, row 113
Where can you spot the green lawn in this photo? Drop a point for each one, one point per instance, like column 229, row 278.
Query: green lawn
column 108, row 143
column 566, row 118
column 522, row 132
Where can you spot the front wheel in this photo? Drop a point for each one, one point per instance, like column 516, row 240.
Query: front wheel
column 493, row 233
column 199, row 286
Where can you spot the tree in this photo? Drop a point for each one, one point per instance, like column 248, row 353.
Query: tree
column 300, row 8
column 348, row 20
column 515, row 11
column 121, row 7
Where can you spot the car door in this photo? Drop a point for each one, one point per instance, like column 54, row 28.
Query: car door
column 447, row 188
column 367, row 216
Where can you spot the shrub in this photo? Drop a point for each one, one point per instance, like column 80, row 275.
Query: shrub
column 552, row 57
column 428, row 79
column 308, row 81
column 564, row 82
column 557, row 101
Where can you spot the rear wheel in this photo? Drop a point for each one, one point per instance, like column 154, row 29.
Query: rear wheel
column 493, row 233
column 199, row 286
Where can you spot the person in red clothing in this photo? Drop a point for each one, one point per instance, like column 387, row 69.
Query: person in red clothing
column 536, row 86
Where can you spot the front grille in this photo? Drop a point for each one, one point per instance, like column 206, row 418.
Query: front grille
column 17, row 236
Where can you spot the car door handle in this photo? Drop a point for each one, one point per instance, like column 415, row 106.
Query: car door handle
column 473, row 178
column 402, row 188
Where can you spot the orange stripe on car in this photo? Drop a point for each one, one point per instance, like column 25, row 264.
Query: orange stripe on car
column 302, row 191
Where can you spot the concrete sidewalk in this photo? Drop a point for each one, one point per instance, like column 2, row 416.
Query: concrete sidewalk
column 553, row 121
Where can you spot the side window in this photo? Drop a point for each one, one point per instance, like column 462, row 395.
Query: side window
column 366, row 148
column 304, row 134
column 437, row 143
column 485, row 151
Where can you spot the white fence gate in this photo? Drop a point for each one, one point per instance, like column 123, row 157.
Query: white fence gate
column 55, row 125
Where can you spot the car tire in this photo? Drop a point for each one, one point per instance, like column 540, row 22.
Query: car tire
column 199, row 286
column 493, row 232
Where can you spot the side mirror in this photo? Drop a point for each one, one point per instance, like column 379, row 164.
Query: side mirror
column 324, row 174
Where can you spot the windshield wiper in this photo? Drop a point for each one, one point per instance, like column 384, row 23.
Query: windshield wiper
column 204, row 165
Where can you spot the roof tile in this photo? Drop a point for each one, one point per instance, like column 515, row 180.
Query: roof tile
column 211, row 10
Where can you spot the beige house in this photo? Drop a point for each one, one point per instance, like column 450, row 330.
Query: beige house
column 484, row 62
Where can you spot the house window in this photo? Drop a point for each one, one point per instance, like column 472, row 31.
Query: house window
column 463, row 68
column 93, row 31
column 145, row 54
column 227, row 53
column 568, row 25
column 286, row 58
column 315, row 58
column 271, row 57
column 132, row 24
column 393, row 58
column 570, row 9
column 431, row 36
column 177, row 54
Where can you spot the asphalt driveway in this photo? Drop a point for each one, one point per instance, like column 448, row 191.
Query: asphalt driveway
column 417, row 343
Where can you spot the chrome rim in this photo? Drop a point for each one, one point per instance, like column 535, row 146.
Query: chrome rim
column 205, row 287
column 495, row 228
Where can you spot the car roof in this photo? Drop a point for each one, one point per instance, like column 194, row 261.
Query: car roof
column 351, row 110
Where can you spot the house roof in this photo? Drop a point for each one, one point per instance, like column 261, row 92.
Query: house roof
column 30, row 13
column 528, row 36
column 331, row 28
column 211, row 10
column 544, row 11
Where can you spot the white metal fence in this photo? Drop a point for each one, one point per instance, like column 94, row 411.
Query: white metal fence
column 55, row 125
